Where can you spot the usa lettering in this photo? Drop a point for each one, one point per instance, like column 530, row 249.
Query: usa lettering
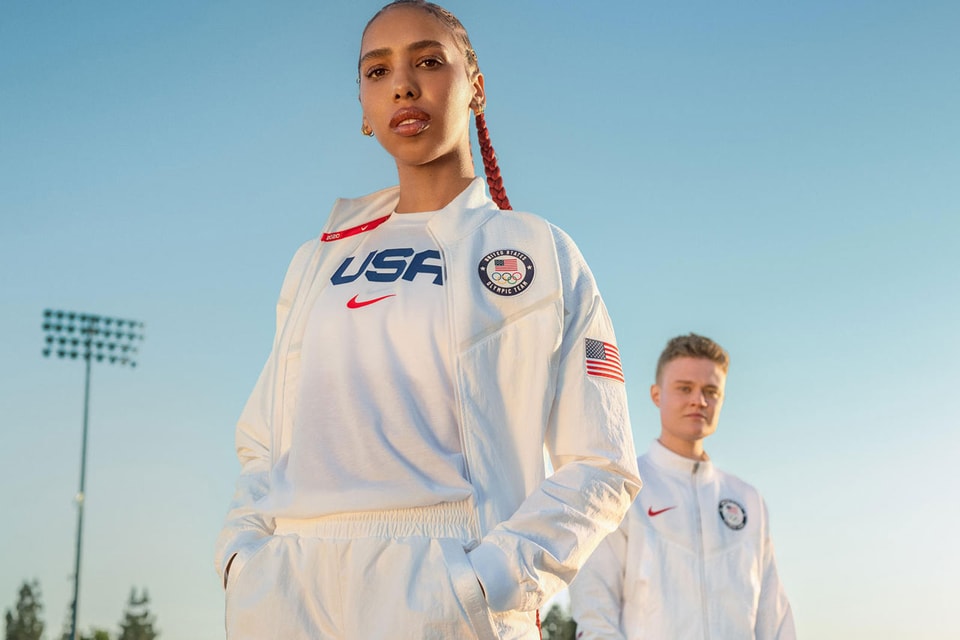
column 388, row 265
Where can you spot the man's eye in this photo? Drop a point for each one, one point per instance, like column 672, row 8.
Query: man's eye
column 375, row 72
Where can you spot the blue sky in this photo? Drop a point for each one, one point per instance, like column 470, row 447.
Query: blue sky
column 782, row 177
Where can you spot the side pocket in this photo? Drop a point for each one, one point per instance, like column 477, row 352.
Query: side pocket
column 243, row 557
column 467, row 589
column 249, row 604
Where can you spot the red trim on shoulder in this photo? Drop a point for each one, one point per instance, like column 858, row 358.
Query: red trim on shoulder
column 352, row 231
column 607, row 375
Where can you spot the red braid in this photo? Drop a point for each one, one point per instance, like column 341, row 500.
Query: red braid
column 490, row 166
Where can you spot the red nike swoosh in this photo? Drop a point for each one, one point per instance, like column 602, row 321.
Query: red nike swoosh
column 353, row 303
column 651, row 512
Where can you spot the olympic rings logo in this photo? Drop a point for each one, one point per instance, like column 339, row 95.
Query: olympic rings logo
column 506, row 272
column 507, row 277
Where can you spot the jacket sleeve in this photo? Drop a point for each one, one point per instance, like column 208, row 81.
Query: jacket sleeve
column 774, row 615
column 245, row 528
column 537, row 552
column 596, row 594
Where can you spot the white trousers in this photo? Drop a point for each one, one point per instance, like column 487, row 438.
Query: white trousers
column 400, row 574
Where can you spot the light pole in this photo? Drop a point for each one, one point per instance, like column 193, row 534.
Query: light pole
column 89, row 337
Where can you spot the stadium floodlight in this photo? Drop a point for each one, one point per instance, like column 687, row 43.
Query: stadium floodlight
column 89, row 337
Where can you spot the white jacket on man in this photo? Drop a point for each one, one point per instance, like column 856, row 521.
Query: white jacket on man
column 521, row 384
column 692, row 560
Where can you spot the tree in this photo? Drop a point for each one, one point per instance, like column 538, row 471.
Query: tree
column 137, row 623
column 26, row 624
column 558, row 625
column 94, row 633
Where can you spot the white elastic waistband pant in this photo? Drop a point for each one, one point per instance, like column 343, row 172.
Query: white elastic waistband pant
column 400, row 574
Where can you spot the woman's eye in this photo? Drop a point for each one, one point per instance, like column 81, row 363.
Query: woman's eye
column 376, row 72
column 431, row 63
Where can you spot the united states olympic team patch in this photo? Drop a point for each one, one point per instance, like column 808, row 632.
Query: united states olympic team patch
column 506, row 272
column 733, row 515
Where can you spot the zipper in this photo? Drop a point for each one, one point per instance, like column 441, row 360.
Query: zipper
column 301, row 302
column 455, row 358
column 701, row 554
column 282, row 352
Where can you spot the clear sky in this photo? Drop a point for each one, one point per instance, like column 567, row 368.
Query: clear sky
column 783, row 177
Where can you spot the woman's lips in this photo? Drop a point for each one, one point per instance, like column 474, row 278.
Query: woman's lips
column 409, row 122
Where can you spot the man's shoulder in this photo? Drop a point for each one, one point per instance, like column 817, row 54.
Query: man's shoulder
column 733, row 478
column 733, row 487
column 734, row 481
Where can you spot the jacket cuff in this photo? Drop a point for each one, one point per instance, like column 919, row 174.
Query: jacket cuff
column 493, row 570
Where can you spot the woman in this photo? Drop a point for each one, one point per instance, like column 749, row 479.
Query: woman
column 428, row 347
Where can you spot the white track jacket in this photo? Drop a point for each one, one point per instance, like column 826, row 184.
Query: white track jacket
column 522, row 384
column 692, row 560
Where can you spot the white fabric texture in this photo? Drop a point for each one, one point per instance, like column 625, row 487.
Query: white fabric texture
column 390, row 574
column 519, row 382
column 375, row 428
column 693, row 560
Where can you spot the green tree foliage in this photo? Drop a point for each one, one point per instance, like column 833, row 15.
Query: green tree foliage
column 94, row 634
column 137, row 623
column 558, row 625
column 26, row 624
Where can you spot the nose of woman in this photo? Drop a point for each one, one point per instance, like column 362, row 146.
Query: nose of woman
column 405, row 85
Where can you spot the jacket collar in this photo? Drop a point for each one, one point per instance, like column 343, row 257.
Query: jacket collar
column 677, row 465
column 460, row 217
column 465, row 213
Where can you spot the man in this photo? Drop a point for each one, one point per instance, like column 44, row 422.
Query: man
column 693, row 558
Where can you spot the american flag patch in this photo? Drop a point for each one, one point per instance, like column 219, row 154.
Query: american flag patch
column 603, row 360
column 506, row 264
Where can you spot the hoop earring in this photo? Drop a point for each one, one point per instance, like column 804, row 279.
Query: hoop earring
column 366, row 130
column 479, row 110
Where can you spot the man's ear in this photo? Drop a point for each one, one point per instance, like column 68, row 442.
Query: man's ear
column 655, row 394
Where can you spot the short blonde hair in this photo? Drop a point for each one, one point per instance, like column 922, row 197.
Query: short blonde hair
column 692, row 345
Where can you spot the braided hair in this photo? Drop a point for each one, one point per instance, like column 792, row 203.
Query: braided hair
column 490, row 165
